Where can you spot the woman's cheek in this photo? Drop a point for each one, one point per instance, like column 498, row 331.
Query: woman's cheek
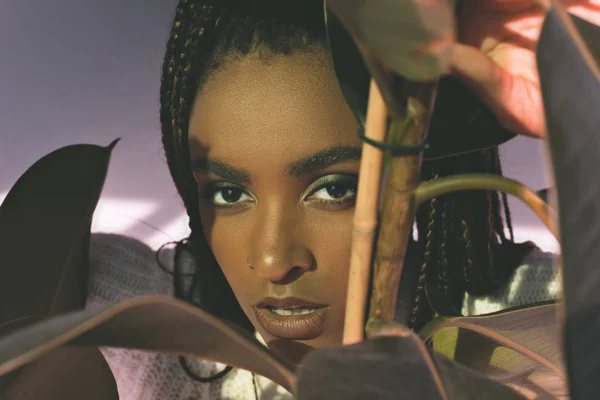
column 332, row 246
column 334, row 237
column 227, row 243
column 228, row 247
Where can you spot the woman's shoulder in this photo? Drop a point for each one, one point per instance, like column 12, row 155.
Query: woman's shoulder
column 121, row 267
column 536, row 280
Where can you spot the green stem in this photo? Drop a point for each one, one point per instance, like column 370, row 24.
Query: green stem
column 435, row 188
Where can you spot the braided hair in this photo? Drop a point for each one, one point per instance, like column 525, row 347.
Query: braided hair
column 465, row 229
column 463, row 237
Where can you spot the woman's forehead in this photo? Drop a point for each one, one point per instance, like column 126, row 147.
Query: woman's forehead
column 276, row 105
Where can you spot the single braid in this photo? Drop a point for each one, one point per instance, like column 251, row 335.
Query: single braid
column 468, row 265
column 498, row 224
column 429, row 236
column 443, row 267
column 506, row 208
column 508, row 217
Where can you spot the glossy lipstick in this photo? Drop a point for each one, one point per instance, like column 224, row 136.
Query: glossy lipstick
column 291, row 318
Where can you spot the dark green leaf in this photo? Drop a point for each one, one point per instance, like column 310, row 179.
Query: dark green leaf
column 460, row 122
column 65, row 373
column 44, row 234
column 590, row 34
column 352, row 74
column 570, row 82
column 154, row 323
column 519, row 346
column 412, row 38
column 464, row 383
column 392, row 367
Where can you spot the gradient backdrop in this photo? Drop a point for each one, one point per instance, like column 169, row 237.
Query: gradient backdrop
column 88, row 71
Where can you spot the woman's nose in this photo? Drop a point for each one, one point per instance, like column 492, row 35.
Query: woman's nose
column 278, row 253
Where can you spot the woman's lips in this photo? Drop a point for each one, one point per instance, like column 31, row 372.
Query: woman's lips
column 301, row 319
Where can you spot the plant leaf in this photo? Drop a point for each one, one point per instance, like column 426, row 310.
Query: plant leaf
column 412, row 38
column 458, row 119
column 352, row 74
column 392, row 367
column 590, row 34
column 44, row 238
column 461, row 123
column 82, row 374
column 518, row 346
column 465, row 383
column 176, row 327
column 570, row 83
column 44, row 234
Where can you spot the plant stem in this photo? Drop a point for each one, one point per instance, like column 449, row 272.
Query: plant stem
column 398, row 206
column 428, row 190
column 365, row 219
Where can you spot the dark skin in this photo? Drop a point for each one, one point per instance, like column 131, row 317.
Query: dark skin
column 276, row 158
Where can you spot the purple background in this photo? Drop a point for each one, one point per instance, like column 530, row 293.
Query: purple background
column 88, row 71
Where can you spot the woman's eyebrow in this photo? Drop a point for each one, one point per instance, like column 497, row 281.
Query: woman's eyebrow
column 323, row 159
column 306, row 165
column 222, row 170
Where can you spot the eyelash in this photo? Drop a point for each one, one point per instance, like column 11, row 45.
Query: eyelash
column 209, row 190
column 348, row 182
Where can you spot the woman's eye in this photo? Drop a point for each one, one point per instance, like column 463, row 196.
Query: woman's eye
column 229, row 195
column 221, row 194
column 335, row 189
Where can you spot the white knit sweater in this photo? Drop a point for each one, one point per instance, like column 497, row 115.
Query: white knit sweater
column 123, row 267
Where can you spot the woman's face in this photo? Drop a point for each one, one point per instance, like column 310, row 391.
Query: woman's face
column 275, row 152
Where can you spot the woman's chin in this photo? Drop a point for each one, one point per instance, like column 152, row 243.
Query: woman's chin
column 295, row 350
